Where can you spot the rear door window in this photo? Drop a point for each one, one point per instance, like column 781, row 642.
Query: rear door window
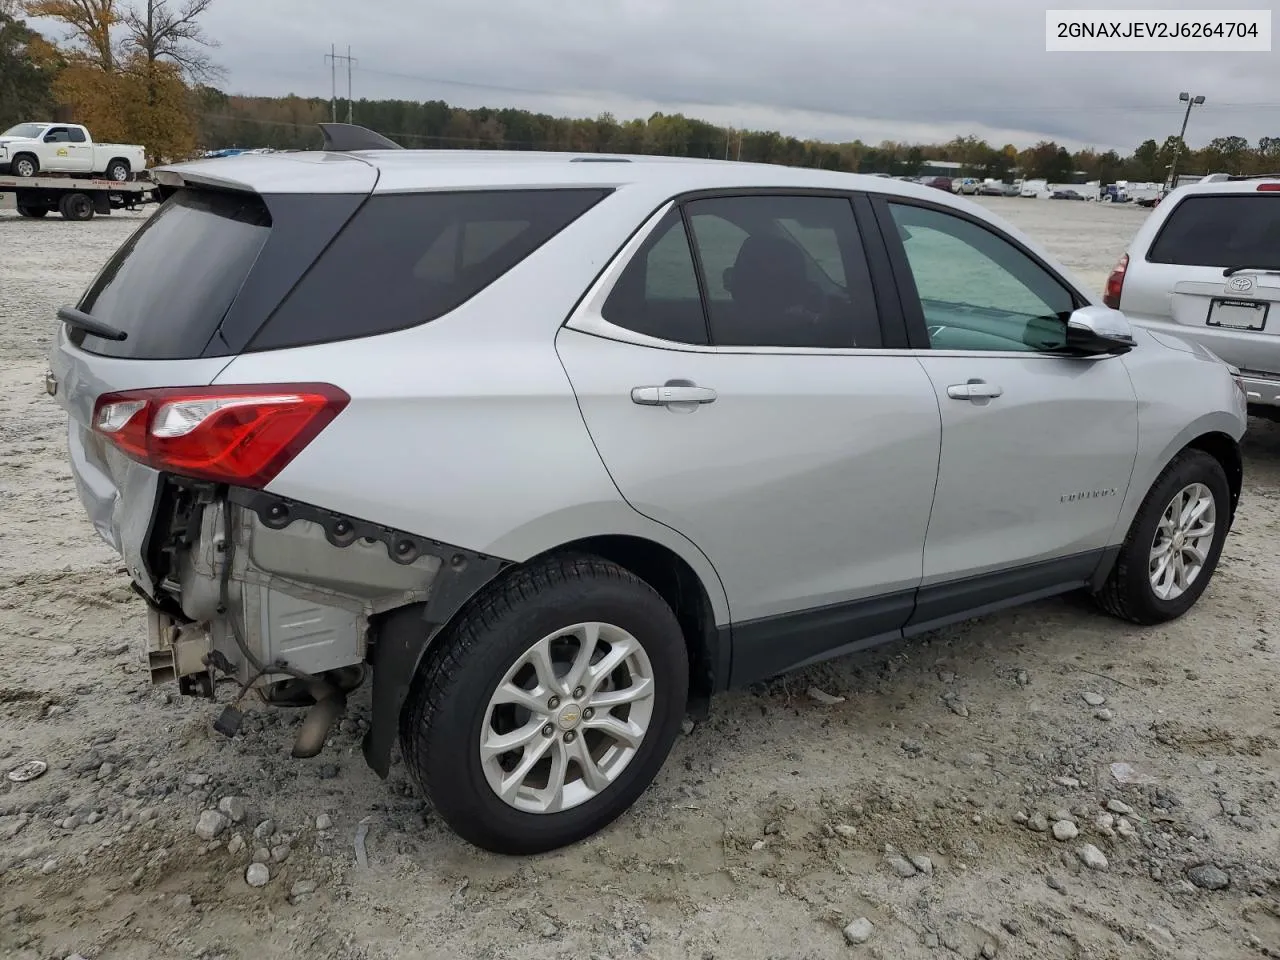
column 405, row 259
column 784, row 271
column 1226, row 230
column 170, row 284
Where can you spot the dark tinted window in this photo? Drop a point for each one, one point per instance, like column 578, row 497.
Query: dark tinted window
column 408, row 258
column 1221, row 231
column 657, row 293
column 977, row 290
column 77, row 135
column 170, row 284
column 784, row 271
column 57, row 135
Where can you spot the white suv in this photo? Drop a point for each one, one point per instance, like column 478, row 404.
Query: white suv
column 559, row 446
column 1205, row 266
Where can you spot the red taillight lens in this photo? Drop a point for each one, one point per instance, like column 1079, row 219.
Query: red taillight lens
column 1115, row 283
column 1268, row 187
column 242, row 435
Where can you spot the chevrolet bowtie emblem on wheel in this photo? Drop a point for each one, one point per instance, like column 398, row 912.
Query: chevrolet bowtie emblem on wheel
column 50, row 383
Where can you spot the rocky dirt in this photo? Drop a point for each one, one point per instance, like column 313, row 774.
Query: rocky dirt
column 1042, row 783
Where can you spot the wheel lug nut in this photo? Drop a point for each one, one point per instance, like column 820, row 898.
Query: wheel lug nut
column 553, row 703
column 570, row 737
column 578, row 692
column 588, row 713
column 548, row 730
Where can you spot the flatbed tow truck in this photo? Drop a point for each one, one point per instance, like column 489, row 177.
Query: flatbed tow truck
column 76, row 198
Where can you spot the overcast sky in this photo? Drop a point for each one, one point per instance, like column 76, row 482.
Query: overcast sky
column 918, row 70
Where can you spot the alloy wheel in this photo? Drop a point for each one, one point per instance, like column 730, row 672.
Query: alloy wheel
column 1182, row 541
column 567, row 718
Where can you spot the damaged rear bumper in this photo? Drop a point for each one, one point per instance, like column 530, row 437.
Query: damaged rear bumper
column 264, row 589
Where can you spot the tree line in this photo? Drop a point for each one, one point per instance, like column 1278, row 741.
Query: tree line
column 141, row 71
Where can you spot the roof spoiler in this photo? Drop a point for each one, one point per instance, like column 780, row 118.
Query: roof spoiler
column 342, row 137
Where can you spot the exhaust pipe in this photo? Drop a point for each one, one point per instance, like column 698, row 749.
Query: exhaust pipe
column 331, row 703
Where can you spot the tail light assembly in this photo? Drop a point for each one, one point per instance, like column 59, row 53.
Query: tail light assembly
column 1115, row 283
column 242, row 435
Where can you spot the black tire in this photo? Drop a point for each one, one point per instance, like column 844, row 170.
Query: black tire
column 24, row 211
column 118, row 170
column 24, row 165
column 1128, row 593
column 76, row 206
column 447, row 706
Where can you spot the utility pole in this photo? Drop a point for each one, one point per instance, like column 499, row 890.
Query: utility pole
column 332, row 58
column 1177, row 147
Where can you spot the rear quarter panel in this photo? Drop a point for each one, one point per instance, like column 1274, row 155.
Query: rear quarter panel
column 466, row 429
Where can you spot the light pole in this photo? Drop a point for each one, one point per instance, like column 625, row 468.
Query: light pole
column 1177, row 149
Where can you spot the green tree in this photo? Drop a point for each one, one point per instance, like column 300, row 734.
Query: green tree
column 27, row 68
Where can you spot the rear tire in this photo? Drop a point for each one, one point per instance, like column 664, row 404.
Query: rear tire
column 118, row 170
column 537, row 620
column 76, row 206
column 1193, row 481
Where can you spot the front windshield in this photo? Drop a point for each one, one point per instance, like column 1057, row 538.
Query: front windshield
column 29, row 131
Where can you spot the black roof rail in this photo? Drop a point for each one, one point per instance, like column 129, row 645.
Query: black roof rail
column 599, row 160
column 1256, row 176
column 341, row 137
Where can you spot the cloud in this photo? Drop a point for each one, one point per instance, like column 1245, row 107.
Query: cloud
column 919, row 70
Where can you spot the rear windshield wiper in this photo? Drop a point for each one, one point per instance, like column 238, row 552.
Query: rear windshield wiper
column 78, row 318
column 1231, row 271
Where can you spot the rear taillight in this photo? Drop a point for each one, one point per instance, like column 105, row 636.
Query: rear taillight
column 1115, row 283
column 242, row 435
column 1268, row 187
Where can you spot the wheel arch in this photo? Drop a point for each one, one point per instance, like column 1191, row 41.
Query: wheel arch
column 24, row 153
column 405, row 634
column 1226, row 450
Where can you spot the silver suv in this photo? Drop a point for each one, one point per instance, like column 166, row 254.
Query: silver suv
column 1205, row 266
column 555, row 447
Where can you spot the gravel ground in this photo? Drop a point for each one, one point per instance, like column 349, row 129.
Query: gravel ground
column 1041, row 783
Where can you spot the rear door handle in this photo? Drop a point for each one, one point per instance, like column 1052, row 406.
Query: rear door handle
column 974, row 390
column 669, row 393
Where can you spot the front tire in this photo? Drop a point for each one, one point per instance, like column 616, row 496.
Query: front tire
column 549, row 707
column 24, row 165
column 1174, row 543
column 35, row 212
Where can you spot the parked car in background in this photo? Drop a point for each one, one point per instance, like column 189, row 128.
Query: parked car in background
column 755, row 467
column 1034, row 189
column 32, row 149
column 939, row 183
column 1205, row 267
column 967, row 186
column 995, row 188
column 1066, row 194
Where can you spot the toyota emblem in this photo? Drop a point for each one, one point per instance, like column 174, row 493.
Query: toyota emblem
column 1240, row 284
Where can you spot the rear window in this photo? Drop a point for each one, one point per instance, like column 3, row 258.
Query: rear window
column 170, row 284
column 1221, row 231
column 405, row 259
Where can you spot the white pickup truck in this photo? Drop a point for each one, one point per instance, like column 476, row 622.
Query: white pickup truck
column 30, row 149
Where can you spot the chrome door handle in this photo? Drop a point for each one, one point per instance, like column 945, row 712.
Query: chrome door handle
column 669, row 393
column 974, row 390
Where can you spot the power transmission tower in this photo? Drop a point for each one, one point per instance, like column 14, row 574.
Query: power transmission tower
column 332, row 58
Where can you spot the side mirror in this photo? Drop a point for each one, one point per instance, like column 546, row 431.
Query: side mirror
column 1096, row 330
